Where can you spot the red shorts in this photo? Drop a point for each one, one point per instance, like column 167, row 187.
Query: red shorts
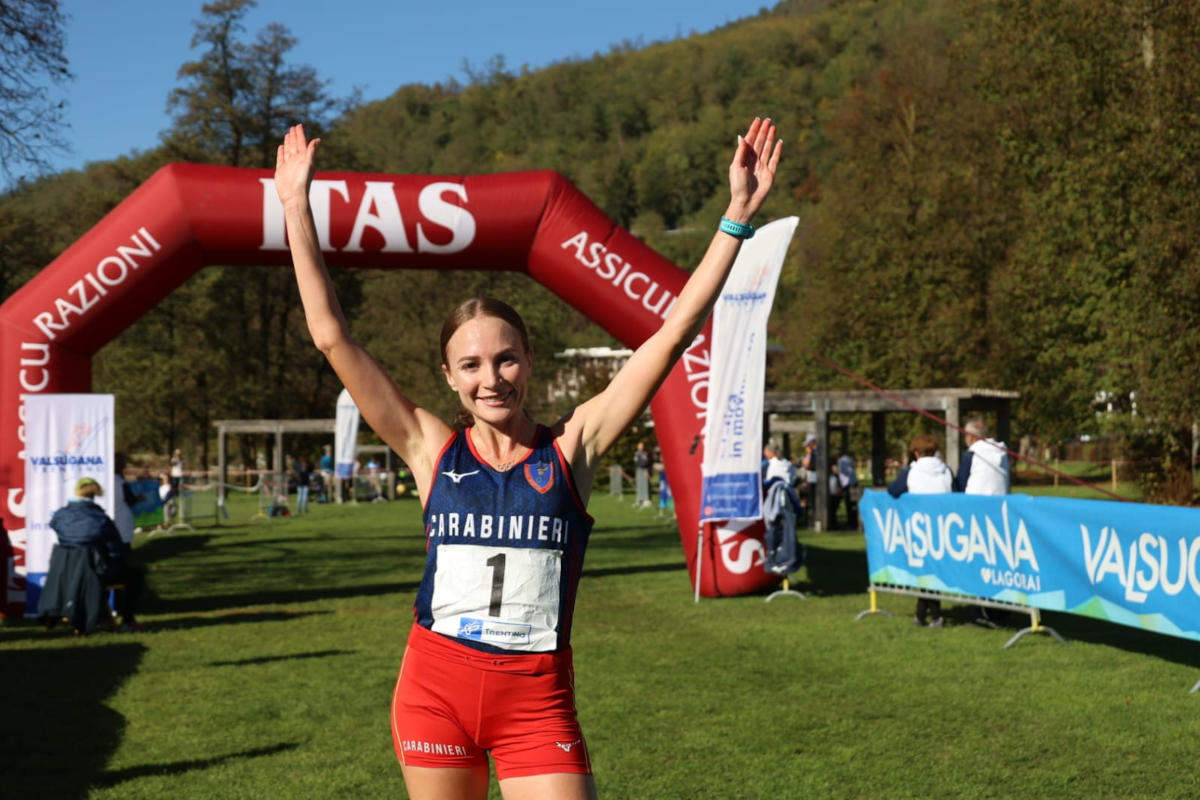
column 453, row 705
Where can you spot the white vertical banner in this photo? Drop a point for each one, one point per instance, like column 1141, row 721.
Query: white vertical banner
column 345, row 435
column 67, row 437
column 731, row 487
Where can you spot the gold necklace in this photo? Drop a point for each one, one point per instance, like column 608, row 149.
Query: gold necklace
column 504, row 466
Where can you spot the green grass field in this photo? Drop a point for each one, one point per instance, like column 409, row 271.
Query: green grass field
column 273, row 647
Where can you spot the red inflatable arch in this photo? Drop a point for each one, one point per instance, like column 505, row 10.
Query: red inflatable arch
column 187, row 216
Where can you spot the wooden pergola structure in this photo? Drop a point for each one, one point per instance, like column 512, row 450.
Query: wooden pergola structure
column 278, row 427
column 952, row 404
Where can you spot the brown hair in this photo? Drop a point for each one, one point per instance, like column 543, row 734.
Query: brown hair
column 924, row 445
column 468, row 310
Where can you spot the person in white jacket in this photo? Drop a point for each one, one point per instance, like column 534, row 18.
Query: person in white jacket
column 984, row 469
column 926, row 474
column 985, row 466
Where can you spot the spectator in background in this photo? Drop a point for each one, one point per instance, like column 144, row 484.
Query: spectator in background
column 302, row 472
column 166, row 496
column 81, row 523
column 809, row 462
column 327, row 473
column 984, row 470
column 926, row 474
column 666, row 501
column 357, row 470
column 781, row 510
column 837, row 490
column 848, row 474
column 985, row 465
column 125, row 500
column 776, row 466
column 373, row 478
column 641, row 476
column 177, row 473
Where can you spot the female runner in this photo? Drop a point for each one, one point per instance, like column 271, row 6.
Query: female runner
column 487, row 668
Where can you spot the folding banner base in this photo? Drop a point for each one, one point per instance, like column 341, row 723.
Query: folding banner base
column 180, row 523
column 1035, row 619
column 785, row 590
column 873, row 608
column 1035, row 626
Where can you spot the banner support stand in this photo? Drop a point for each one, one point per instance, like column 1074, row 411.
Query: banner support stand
column 1035, row 626
column 699, row 557
column 874, row 607
column 785, row 590
column 1035, row 617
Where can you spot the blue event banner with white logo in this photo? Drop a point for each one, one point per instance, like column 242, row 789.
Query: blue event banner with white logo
column 1129, row 563
column 731, row 486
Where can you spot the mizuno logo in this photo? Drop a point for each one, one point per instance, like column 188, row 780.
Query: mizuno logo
column 458, row 476
column 566, row 746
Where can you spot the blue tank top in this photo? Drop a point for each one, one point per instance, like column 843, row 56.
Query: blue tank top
column 505, row 549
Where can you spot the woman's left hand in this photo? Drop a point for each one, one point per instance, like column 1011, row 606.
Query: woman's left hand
column 752, row 172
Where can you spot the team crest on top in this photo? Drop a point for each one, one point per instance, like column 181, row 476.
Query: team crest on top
column 540, row 476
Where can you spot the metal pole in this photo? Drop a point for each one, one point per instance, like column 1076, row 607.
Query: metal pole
column 280, row 469
column 821, row 520
column 879, row 449
column 223, row 466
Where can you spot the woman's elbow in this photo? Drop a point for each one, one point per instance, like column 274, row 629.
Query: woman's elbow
column 326, row 339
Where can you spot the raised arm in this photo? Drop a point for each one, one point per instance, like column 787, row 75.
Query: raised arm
column 415, row 434
column 601, row 420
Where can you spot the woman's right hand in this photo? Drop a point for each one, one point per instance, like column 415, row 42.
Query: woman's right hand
column 295, row 162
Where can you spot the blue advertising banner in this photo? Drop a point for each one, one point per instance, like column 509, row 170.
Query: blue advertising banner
column 148, row 510
column 1129, row 563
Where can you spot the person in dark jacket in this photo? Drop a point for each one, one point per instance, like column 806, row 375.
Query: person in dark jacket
column 302, row 473
column 82, row 524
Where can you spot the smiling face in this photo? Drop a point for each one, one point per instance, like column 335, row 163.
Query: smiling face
column 489, row 366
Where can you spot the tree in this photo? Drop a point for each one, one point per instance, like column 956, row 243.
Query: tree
column 897, row 252
column 31, row 49
column 1101, row 289
column 238, row 98
column 230, row 343
column 1163, row 317
column 1070, row 124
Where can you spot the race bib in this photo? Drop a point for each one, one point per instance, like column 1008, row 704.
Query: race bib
column 503, row 596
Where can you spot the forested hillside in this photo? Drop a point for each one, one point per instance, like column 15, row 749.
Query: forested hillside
column 995, row 193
